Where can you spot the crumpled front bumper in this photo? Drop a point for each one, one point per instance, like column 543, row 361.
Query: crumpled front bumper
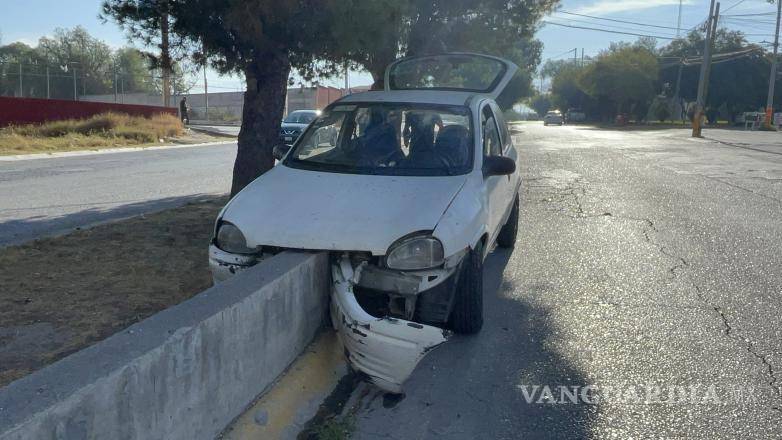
column 386, row 349
column 224, row 265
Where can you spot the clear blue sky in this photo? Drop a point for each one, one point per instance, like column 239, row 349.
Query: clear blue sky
column 28, row 20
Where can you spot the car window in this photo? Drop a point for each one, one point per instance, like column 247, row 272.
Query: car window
column 300, row 118
column 323, row 137
column 389, row 139
column 492, row 145
column 503, row 125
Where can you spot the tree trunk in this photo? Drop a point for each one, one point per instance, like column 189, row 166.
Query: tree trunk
column 264, row 104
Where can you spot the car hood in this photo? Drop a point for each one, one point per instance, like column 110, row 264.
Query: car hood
column 293, row 126
column 301, row 209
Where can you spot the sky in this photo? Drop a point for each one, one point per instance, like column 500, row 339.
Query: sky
column 28, row 20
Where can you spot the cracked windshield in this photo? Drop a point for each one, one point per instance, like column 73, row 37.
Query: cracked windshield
column 388, row 139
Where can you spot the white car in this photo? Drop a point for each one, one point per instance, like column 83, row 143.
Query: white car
column 408, row 189
column 553, row 118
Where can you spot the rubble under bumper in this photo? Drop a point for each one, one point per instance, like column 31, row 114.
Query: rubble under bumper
column 386, row 349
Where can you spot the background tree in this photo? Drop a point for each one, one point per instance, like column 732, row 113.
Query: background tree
column 623, row 79
column 541, row 104
column 736, row 85
column 133, row 70
column 262, row 39
column 76, row 48
column 10, row 58
column 567, row 91
column 373, row 33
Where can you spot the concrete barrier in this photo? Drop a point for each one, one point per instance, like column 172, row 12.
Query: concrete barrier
column 184, row 373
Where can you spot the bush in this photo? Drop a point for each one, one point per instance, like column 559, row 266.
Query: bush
column 108, row 129
column 661, row 111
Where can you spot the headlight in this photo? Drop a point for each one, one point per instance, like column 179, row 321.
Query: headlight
column 230, row 239
column 416, row 253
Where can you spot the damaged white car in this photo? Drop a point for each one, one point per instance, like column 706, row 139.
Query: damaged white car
column 408, row 188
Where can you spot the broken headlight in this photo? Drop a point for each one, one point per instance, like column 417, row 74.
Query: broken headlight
column 230, row 239
column 415, row 253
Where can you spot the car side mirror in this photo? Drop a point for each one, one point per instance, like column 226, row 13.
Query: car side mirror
column 280, row 151
column 498, row 166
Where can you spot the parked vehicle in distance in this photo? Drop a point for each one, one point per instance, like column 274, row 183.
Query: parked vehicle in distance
column 408, row 189
column 295, row 123
column 575, row 115
column 553, row 117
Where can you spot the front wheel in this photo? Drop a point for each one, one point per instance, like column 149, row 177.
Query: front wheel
column 507, row 237
column 467, row 314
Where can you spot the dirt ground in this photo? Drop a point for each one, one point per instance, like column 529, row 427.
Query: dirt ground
column 59, row 295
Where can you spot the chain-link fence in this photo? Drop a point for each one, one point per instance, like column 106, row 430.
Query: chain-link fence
column 72, row 82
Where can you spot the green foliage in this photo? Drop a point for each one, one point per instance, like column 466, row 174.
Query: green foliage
column 134, row 67
column 567, row 91
column 67, row 52
column 77, row 49
column 622, row 79
column 740, row 84
column 541, row 104
column 661, row 110
column 373, row 33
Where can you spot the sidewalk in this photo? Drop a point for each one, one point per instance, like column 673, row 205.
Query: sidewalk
column 768, row 141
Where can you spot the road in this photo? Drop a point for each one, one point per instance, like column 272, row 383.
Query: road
column 53, row 195
column 649, row 267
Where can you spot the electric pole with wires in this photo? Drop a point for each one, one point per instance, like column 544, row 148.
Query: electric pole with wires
column 711, row 28
column 773, row 77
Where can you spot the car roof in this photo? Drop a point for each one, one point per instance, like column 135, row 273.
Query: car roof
column 437, row 97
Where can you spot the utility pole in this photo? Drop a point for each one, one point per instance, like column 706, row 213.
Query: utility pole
column 702, row 86
column 48, row 94
column 21, row 85
column 115, row 82
column 206, row 84
column 582, row 57
column 575, row 56
column 165, row 56
column 347, row 78
column 773, row 78
column 75, row 90
column 679, row 22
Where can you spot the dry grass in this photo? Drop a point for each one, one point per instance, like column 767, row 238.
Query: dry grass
column 100, row 131
column 61, row 294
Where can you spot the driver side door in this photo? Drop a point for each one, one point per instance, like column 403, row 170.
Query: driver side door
column 496, row 188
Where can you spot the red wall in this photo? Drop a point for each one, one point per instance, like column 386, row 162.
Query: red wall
column 18, row 111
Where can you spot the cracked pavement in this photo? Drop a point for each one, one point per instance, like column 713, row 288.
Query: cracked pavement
column 645, row 260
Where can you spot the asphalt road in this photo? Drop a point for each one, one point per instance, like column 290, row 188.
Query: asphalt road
column 649, row 267
column 49, row 196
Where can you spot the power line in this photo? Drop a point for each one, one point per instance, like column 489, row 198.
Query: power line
column 734, row 5
column 611, row 26
column 751, row 15
column 618, row 21
column 608, row 31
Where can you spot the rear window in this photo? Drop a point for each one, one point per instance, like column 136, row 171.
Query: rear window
column 469, row 73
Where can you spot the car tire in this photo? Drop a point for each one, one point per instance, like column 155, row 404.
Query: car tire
column 467, row 313
column 507, row 237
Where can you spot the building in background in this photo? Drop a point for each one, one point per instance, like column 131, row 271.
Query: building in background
column 227, row 106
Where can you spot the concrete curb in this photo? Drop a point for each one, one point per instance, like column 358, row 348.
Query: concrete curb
column 184, row 373
column 17, row 157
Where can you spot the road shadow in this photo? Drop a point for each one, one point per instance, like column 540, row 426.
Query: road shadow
column 18, row 231
column 472, row 387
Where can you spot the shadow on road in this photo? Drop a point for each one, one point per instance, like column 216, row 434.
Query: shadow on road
column 472, row 386
column 19, row 231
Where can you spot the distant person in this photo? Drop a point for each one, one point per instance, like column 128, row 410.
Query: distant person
column 183, row 110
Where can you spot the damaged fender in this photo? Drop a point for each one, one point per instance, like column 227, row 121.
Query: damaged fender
column 386, row 349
